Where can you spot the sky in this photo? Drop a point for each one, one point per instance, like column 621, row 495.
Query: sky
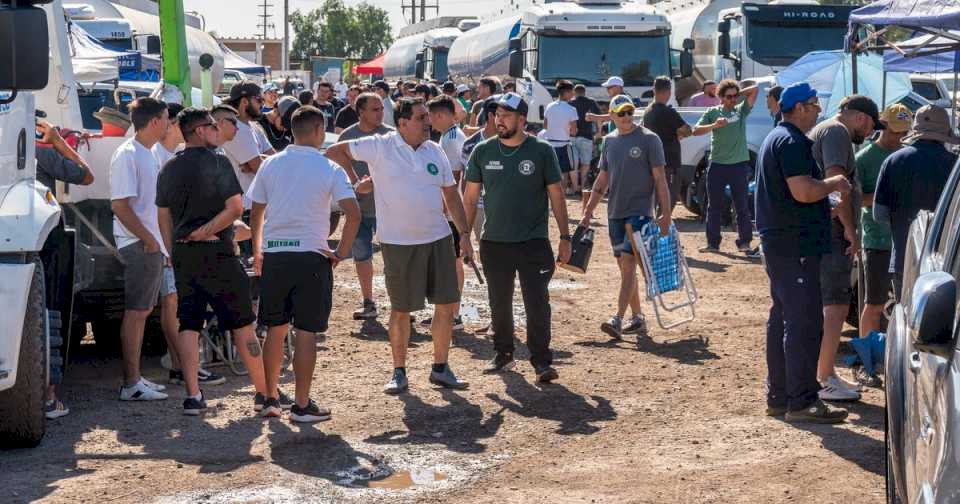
column 238, row 18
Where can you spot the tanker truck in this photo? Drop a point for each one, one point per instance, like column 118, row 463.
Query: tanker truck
column 583, row 41
column 735, row 40
column 420, row 50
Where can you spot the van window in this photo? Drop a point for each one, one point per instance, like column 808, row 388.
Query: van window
column 928, row 90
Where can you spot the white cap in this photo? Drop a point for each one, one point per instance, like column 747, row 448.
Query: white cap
column 613, row 81
column 462, row 88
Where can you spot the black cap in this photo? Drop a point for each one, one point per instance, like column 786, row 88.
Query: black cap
column 863, row 104
column 449, row 87
column 382, row 85
column 244, row 89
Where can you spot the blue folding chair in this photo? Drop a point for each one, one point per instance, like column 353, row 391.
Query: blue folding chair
column 665, row 270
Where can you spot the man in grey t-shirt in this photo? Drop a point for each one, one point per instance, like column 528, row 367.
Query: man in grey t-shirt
column 370, row 109
column 632, row 166
column 833, row 141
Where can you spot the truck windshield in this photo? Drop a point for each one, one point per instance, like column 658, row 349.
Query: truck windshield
column 780, row 44
column 590, row 60
column 438, row 67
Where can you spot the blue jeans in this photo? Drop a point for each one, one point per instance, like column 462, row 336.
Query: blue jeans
column 618, row 232
column 794, row 331
column 362, row 248
column 719, row 176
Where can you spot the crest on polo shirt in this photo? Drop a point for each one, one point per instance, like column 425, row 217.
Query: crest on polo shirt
column 526, row 167
column 432, row 169
column 635, row 152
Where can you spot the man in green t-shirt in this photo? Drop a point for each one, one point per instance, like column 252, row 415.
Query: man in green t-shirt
column 519, row 175
column 729, row 161
column 876, row 238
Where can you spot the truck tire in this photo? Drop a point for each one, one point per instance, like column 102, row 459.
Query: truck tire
column 22, row 423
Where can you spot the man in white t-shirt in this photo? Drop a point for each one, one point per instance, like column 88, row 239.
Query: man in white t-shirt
column 133, row 187
column 293, row 192
column 341, row 88
column 243, row 150
column 560, row 124
column 443, row 119
column 413, row 181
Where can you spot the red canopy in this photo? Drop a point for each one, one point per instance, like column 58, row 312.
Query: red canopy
column 372, row 67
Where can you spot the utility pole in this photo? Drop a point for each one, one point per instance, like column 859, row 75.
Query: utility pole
column 265, row 18
column 422, row 5
column 286, row 35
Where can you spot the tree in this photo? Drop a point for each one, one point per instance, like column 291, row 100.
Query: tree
column 340, row 31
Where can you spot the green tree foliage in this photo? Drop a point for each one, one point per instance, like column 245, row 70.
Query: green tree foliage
column 338, row 30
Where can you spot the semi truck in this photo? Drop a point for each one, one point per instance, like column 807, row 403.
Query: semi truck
column 747, row 40
column 420, row 50
column 583, row 41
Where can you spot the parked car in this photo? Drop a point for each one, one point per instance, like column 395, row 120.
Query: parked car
column 230, row 77
column 923, row 379
column 937, row 88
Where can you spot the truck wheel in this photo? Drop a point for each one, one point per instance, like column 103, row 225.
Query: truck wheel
column 22, row 423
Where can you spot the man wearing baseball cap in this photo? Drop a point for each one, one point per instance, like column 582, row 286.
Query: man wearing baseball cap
column 912, row 178
column 518, row 174
column 793, row 219
column 833, row 141
column 614, row 87
column 875, row 236
column 276, row 123
column 243, row 151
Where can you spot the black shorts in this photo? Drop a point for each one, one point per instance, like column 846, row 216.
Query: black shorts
column 211, row 274
column 296, row 287
column 563, row 157
column 877, row 276
column 456, row 238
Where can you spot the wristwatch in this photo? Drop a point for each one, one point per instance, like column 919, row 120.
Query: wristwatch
column 337, row 256
column 565, row 237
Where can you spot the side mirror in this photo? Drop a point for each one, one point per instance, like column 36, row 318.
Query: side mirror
column 418, row 68
column 153, row 44
column 724, row 26
column 689, row 44
column 686, row 64
column 933, row 304
column 516, row 64
column 515, row 44
column 723, row 43
column 23, row 44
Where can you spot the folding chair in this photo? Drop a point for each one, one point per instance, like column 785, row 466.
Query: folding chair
column 665, row 270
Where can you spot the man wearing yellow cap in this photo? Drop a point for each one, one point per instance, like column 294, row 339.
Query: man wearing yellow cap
column 875, row 236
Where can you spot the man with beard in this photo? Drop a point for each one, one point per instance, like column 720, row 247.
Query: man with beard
column 518, row 175
column 198, row 199
column 243, row 150
column 276, row 123
column 832, row 139
column 412, row 181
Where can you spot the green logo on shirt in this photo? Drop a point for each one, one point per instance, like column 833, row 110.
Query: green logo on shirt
column 432, row 169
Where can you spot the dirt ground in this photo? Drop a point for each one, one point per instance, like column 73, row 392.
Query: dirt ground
column 674, row 417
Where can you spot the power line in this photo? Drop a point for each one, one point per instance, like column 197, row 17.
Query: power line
column 420, row 7
column 265, row 18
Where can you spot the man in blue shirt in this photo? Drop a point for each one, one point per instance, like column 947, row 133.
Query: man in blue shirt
column 793, row 218
column 912, row 179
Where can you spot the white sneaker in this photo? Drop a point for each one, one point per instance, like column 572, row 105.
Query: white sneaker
column 155, row 386
column 140, row 391
column 834, row 390
column 855, row 386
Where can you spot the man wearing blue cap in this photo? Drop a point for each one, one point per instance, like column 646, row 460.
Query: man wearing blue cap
column 793, row 218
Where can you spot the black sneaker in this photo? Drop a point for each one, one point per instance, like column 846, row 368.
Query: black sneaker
column 636, row 325
column 271, row 408
column 709, row 249
column 458, row 323
column 175, row 378
column 427, row 322
column 502, row 362
column 208, row 378
column 194, row 407
column 285, row 401
column 546, row 374
column 258, row 402
column 817, row 412
column 310, row 414
column 367, row 312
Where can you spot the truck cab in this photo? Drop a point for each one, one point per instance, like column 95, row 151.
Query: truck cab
column 586, row 42
column 755, row 39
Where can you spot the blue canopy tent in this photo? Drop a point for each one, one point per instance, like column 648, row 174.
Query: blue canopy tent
column 894, row 61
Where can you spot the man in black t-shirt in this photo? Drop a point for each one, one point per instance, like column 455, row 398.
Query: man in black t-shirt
column 276, row 123
column 198, row 199
column 347, row 116
column 583, row 141
column 327, row 103
column 670, row 127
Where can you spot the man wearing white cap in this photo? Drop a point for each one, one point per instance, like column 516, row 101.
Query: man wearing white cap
column 912, row 178
column 614, row 87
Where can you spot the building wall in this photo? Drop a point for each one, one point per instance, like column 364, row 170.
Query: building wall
column 271, row 51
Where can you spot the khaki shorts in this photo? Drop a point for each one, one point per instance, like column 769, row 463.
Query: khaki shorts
column 415, row 272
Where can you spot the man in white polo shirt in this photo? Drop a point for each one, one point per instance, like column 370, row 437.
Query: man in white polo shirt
column 293, row 191
column 413, row 180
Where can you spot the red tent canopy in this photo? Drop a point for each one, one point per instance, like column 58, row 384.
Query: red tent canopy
column 372, row 67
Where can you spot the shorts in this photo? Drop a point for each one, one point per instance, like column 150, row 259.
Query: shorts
column 169, row 284
column 296, row 287
column 582, row 150
column 618, row 232
column 877, row 277
column 210, row 273
column 142, row 276
column 563, row 156
column 415, row 272
column 362, row 249
column 835, row 270
column 456, row 238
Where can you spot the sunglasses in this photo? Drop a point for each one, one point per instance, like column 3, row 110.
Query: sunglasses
column 624, row 113
column 205, row 125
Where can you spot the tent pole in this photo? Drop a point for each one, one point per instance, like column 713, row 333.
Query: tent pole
column 853, row 67
column 883, row 93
